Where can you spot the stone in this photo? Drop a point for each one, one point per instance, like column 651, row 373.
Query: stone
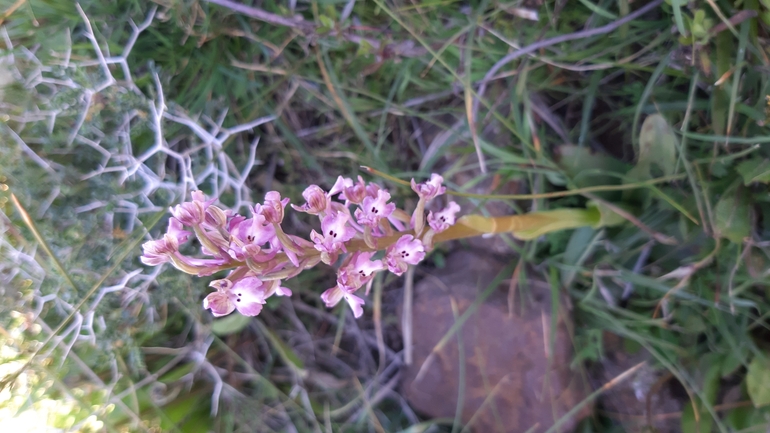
column 649, row 389
column 510, row 385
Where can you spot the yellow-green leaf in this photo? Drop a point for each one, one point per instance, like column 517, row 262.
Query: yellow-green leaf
column 535, row 224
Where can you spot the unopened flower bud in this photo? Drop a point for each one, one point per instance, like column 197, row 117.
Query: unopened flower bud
column 356, row 193
column 189, row 213
column 216, row 217
column 221, row 285
column 316, row 201
column 198, row 195
column 272, row 210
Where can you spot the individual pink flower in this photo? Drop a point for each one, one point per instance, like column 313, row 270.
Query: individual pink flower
column 335, row 232
column 176, row 229
column 406, row 251
column 372, row 209
column 157, row 252
column 430, row 189
column 246, row 295
column 358, row 271
column 188, row 213
column 316, row 201
column 333, row 296
column 273, row 207
column 253, row 231
column 348, row 190
column 444, row 218
column 193, row 212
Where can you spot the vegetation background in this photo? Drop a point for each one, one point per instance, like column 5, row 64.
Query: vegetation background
column 112, row 111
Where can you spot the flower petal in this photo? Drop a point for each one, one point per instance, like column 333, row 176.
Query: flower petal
column 356, row 304
column 332, row 297
column 219, row 303
column 248, row 296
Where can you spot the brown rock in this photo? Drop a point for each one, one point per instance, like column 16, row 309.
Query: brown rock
column 510, row 384
column 645, row 401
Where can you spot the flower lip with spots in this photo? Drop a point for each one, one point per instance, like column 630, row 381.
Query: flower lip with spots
column 245, row 295
column 444, row 218
column 373, row 209
column 406, row 251
column 255, row 230
column 359, row 270
column 336, row 231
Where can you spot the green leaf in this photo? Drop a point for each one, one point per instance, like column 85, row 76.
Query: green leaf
column 732, row 217
column 229, row 324
column 754, row 170
column 758, row 381
column 327, row 24
column 733, row 360
column 364, row 48
column 657, row 145
column 586, row 168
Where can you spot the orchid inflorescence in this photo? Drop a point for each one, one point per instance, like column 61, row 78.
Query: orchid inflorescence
column 259, row 254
